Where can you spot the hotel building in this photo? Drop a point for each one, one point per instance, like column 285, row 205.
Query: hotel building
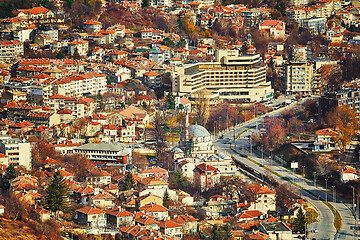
column 232, row 76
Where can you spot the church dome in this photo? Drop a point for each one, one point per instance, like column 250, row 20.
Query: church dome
column 199, row 131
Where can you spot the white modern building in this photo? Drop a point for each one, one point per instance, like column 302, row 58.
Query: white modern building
column 18, row 152
column 231, row 76
column 10, row 50
column 107, row 154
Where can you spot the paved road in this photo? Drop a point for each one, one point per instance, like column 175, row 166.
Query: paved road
column 325, row 224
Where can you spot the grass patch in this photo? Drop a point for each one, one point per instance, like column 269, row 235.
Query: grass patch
column 337, row 222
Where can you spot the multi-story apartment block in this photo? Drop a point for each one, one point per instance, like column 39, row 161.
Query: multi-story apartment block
column 10, row 50
column 153, row 34
column 297, row 53
column 107, row 154
column 51, row 31
column 205, row 176
column 18, row 151
column 80, row 85
column 315, row 25
column 330, row 100
column 252, row 17
column 298, row 2
column 298, row 77
column 231, row 77
column 80, row 107
column 92, row 26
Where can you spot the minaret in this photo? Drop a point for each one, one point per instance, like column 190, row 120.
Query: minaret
column 187, row 117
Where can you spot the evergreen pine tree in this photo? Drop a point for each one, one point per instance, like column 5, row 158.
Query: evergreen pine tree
column 170, row 100
column 300, row 221
column 227, row 232
column 145, row 3
column 244, row 48
column 128, row 182
column 60, row 55
column 179, row 179
column 166, row 199
column 56, row 194
column 9, row 174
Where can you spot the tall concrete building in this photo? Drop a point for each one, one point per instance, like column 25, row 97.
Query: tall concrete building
column 298, row 77
column 298, row 73
column 231, row 76
column 18, row 151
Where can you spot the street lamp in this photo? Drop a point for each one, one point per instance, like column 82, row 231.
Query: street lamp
column 303, row 167
column 334, row 196
column 314, row 179
column 353, row 199
column 270, row 159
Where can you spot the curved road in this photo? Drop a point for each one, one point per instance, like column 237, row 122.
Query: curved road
column 325, row 223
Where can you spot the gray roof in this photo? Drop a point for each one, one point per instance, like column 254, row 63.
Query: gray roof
column 274, row 226
column 101, row 147
column 199, row 131
column 176, row 150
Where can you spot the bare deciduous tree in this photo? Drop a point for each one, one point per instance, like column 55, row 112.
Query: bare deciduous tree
column 201, row 107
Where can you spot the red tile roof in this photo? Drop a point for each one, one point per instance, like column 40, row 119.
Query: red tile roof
column 168, row 224
column 90, row 210
column 184, row 218
column 153, row 207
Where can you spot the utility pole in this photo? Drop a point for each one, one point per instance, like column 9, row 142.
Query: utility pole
column 250, row 145
column 314, row 179
column 334, row 197
column 326, row 179
column 227, row 120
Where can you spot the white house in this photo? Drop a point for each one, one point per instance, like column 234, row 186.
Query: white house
column 348, row 173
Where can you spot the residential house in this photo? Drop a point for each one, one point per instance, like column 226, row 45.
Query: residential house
column 98, row 177
column 276, row 230
column 42, row 40
column 324, row 140
column 145, row 199
column 91, row 217
column 10, row 24
column 40, row 15
column 348, row 174
column 265, row 198
column 103, row 200
column 4, row 160
column 186, row 167
column 273, row 29
column 181, row 53
column 189, row 223
column 41, row 213
column 171, row 229
column 218, row 206
column 119, row 218
column 145, row 220
column 155, row 210
column 82, row 47
column 249, row 215
column 92, row 26
column 156, row 172
column 152, row 79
